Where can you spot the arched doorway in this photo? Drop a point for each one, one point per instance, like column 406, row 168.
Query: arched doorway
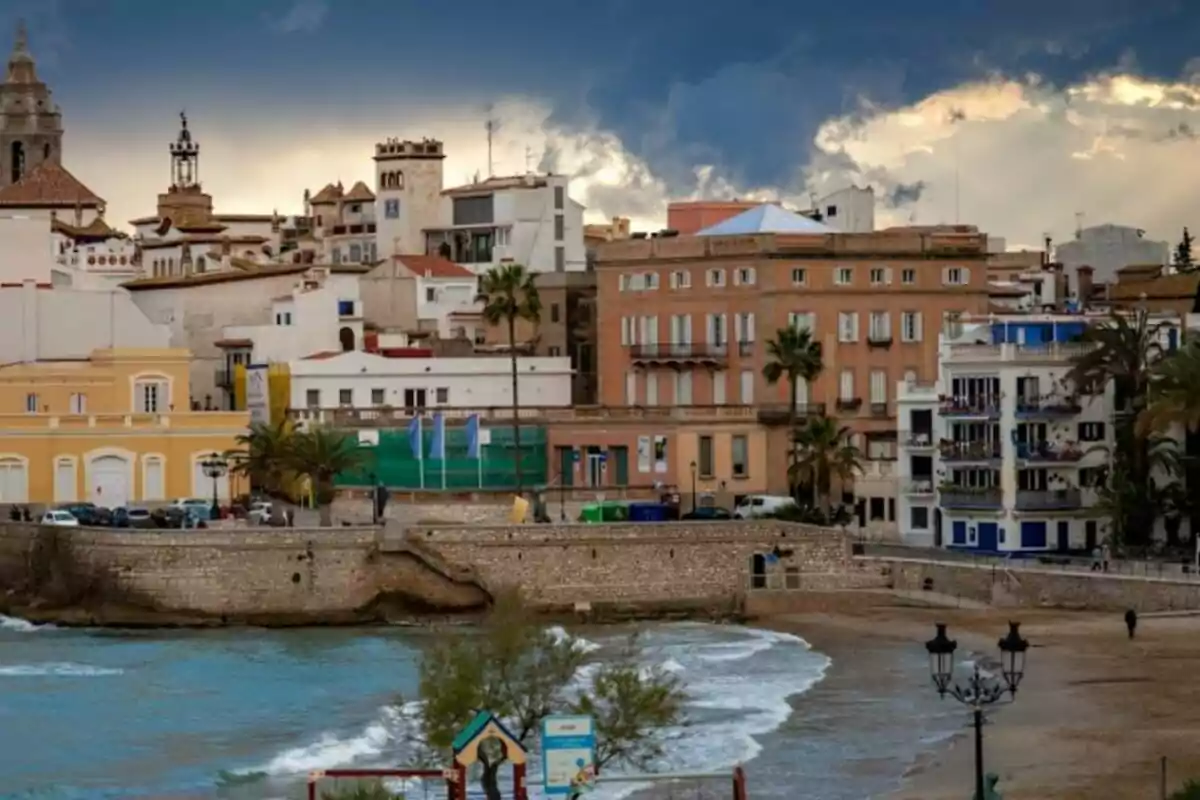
column 346, row 336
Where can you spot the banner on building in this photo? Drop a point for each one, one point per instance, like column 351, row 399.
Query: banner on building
column 258, row 394
column 660, row 454
column 643, row 454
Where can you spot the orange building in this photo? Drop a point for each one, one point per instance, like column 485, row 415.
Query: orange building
column 689, row 217
column 683, row 322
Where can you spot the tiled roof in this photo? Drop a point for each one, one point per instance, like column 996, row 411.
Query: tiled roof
column 96, row 229
column 49, row 185
column 766, row 218
column 434, row 267
column 330, row 194
column 1166, row 287
column 322, row 355
column 359, row 192
column 500, row 182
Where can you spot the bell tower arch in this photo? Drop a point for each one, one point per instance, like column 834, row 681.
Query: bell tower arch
column 30, row 122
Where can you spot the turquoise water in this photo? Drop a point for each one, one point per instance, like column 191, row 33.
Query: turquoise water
column 246, row 714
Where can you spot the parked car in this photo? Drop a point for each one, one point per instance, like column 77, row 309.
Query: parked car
column 708, row 512
column 59, row 517
column 198, row 506
column 259, row 512
column 760, row 505
column 84, row 513
column 139, row 518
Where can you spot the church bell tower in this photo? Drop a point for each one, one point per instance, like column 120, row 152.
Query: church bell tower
column 30, row 122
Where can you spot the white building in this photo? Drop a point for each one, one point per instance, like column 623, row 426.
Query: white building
column 849, row 210
column 445, row 294
column 344, row 221
column 1106, row 249
column 364, row 383
column 526, row 219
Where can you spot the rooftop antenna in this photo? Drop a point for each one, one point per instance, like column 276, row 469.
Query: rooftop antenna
column 492, row 125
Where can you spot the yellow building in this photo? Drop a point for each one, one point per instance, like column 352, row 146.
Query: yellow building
column 114, row 429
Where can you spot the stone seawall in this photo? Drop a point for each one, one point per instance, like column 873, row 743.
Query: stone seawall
column 347, row 575
column 1036, row 587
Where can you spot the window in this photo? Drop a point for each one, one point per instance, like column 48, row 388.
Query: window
column 908, row 276
column 1091, row 477
column 652, row 389
column 627, row 331
column 910, row 326
column 956, row 276
column 554, row 351
column 802, row 320
column 559, row 198
column 718, row 388
column 910, row 376
column 337, row 255
column 830, row 212
column 377, row 397
column 558, row 227
column 623, row 283
column 844, row 276
column 878, row 509
column 650, row 280
column 554, row 312
column 79, row 404
column 345, row 397
column 150, row 397
column 442, row 393
column 919, row 516
column 877, row 276
column 681, row 279
column 283, row 318
column 952, row 323
column 391, row 209
column 744, row 276
column 1091, row 431
column 717, row 335
column 744, row 324
column 681, row 329
column 414, row 398
column 847, row 326
column 356, row 253
column 878, row 386
column 631, row 388
column 846, row 385
column 560, row 261
column 355, row 208
column 704, row 457
column 683, row 388
column 715, row 277
column 312, row 398
column 880, row 326
column 31, row 403
column 799, row 276
column 740, row 456
column 747, row 387
column 430, row 294
column 649, row 330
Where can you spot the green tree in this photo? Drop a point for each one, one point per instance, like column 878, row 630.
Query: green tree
column 508, row 294
column 361, row 790
column 794, row 356
column 1183, row 253
column 1174, row 392
column 262, row 455
column 1189, row 791
column 522, row 673
column 320, row 454
column 826, row 453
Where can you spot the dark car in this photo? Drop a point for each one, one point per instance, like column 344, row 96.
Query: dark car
column 86, row 513
column 708, row 512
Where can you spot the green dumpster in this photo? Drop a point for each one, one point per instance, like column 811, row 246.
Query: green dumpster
column 606, row 511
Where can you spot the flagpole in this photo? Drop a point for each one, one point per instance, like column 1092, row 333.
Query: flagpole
column 421, row 452
column 479, row 468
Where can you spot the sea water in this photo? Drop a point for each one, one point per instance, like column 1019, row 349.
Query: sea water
column 92, row 714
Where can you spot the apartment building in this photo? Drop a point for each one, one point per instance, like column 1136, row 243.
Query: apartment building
column 684, row 321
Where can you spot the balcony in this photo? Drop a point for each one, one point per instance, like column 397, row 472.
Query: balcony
column 917, row 440
column 679, row 353
column 224, row 379
column 879, row 410
column 388, row 417
column 881, row 341
column 987, row 407
column 1052, row 500
column 849, row 403
column 968, row 497
column 1048, row 408
column 919, row 486
column 780, row 415
column 1048, row 453
column 965, row 452
column 745, row 349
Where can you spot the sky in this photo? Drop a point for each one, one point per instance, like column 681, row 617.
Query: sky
column 1024, row 118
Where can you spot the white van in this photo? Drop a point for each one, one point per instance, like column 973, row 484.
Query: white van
column 760, row 505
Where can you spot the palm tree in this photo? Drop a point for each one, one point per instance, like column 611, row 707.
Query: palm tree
column 826, row 453
column 792, row 354
column 321, row 454
column 508, row 294
column 1174, row 392
column 262, row 455
column 1123, row 350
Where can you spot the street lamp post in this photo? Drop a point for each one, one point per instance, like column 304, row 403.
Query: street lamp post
column 982, row 689
column 214, row 467
column 693, row 465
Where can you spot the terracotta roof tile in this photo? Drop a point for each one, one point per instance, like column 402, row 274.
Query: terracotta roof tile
column 96, row 229
column 1164, row 287
column 433, row 267
column 49, row 185
column 322, row 355
column 359, row 192
column 330, row 194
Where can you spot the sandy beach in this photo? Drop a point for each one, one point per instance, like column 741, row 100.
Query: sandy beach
column 1094, row 717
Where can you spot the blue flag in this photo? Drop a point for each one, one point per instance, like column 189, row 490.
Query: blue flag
column 473, row 450
column 437, row 447
column 414, row 437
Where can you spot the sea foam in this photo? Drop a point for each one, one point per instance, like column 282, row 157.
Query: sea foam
column 18, row 625
column 56, row 669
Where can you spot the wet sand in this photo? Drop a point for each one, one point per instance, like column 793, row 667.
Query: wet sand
column 1094, row 716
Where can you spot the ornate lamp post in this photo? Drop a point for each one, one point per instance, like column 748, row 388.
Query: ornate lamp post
column 693, row 466
column 981, row 690
column 215, row 467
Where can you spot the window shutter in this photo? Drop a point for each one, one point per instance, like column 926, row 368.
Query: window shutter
column 966, row 274
column 750, row 327
column 918, row 325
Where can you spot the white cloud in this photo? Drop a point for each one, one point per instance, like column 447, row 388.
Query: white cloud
column 1028, row 156
column 303, row 16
